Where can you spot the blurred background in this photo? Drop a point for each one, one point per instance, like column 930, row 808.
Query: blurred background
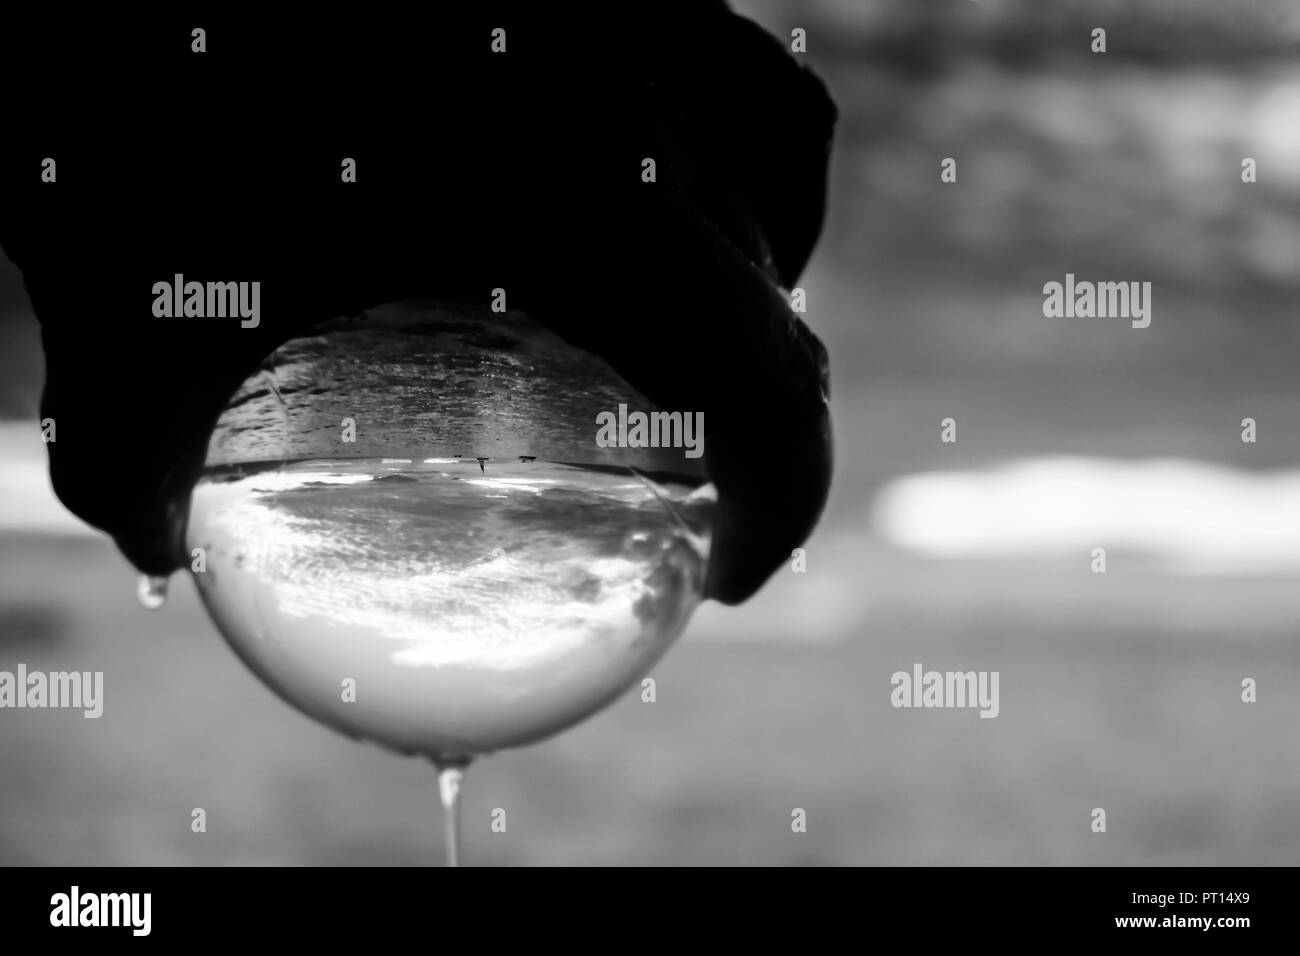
column 1119, row 690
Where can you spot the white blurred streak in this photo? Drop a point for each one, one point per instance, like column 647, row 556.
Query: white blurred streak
column 1200, row 518
column 1274, row 129
column 27, row 501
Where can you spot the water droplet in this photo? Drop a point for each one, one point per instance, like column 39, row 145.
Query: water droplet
column 451, row 772
column 152, row 592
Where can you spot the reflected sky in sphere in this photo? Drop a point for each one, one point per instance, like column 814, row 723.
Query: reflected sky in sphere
column 438, row 603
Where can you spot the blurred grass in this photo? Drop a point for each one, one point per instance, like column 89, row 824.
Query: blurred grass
column 1108, row 699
